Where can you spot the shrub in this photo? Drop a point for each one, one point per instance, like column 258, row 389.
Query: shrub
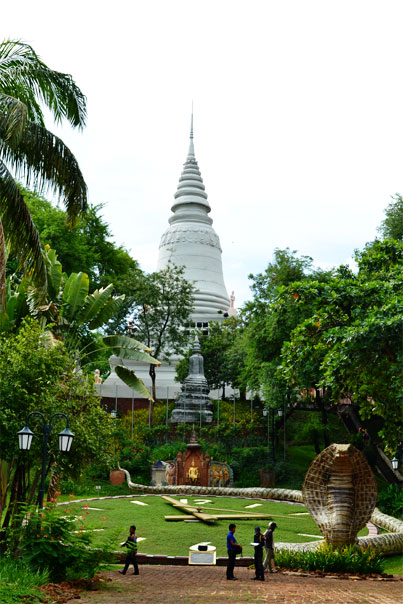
column 44, row 540
column 327, row 558
column 390, row 501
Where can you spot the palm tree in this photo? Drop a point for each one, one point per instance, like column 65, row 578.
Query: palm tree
column 29, row 152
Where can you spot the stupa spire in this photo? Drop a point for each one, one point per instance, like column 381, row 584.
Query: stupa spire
column 191, row 152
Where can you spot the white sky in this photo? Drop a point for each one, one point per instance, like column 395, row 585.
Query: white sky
column 298, row 116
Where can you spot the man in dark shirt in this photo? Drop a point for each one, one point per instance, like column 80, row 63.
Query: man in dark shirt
column 233, row 549
column 131, row 544
column 258, row 557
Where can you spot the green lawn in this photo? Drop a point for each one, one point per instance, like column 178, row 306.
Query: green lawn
column 394, row 565
column 114, row 517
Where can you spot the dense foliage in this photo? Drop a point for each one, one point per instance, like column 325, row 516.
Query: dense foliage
column 45, row 542
column 321, row 340
column 37, row 376
column 87, row 247
column 390, row 501
column 351, row 342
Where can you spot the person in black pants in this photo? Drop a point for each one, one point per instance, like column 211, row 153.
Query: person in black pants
column 259, row 540
column 131, row 544
column 233, row 549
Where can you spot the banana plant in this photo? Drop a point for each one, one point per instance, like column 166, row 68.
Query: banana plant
column 70, row 312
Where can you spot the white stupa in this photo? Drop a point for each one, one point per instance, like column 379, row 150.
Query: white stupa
column 189, row 241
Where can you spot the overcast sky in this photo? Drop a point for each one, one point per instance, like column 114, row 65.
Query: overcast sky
column 297, row 117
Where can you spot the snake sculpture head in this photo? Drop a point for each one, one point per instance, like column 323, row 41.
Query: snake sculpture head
column 340, row 493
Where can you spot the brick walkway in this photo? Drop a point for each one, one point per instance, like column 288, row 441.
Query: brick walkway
column 207, row 585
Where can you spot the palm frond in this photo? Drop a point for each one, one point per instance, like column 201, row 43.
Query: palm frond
column 21, row 69
column 42, row 159
column 20, row 231
column 13, row 117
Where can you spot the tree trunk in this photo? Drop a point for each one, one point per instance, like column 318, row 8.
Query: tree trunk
column 15, row 497
column 3, row 261
column 350, row 417
column 320, row 404
column 152, row 375
column 54, row 482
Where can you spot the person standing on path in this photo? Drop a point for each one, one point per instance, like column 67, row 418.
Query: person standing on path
column 233, row 549
column 131, row 544
column 258, row 557
column 268, row 564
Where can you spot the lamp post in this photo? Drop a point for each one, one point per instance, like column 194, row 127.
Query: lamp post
column 65, row 438
column 266, row 413
column 281, row 414
column 273, row 453
column 395, row 463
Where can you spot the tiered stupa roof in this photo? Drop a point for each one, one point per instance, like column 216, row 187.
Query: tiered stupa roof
column 191, row 241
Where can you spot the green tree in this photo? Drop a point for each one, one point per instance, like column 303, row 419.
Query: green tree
column 38, row 376
column 30, row 152
column 166, row 303
column 352, row 337
column 223, row 354
column 86, row 247
column 268, row 326
column 392, row 225
column 270, row 318
column 70, row 313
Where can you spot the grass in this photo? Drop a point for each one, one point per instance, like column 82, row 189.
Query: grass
column 394, row 565
column 18, row 583
column 114, row 517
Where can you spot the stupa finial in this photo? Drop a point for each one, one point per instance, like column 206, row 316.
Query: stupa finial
column 191, row 153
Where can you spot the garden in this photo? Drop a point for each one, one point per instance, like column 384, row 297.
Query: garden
column 318, row 351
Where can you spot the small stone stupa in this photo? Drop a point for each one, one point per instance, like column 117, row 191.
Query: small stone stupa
column 193, row 404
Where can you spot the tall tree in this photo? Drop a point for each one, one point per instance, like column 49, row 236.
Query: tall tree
column 267, row 327
column 30, row 152
column 352, row 338
column 270, row 319
column 161, row 318
column 392, row 225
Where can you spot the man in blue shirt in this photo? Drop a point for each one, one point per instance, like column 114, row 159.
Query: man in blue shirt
column 233, row 549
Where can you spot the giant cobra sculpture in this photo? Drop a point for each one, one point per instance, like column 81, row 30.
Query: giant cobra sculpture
column 339, row 491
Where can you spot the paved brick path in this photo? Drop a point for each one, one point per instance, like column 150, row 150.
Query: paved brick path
column 207, row 585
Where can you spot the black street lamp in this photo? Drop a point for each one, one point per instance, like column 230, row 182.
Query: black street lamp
column 25, row 440
column 267, row 412
column 282, row 414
